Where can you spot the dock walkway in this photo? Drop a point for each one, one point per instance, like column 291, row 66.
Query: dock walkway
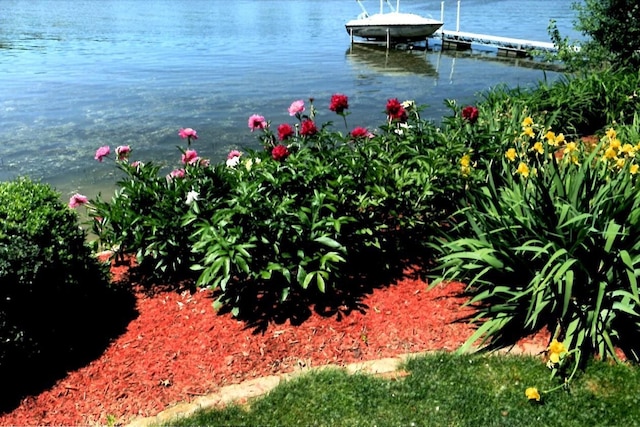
column 459, row 40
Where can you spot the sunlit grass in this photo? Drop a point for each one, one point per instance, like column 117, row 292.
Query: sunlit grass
column 443, row 390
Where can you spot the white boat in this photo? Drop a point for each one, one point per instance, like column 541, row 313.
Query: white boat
column 392, row 25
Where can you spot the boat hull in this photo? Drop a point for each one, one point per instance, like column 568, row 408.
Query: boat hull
column 394, row 26
column 396, row 32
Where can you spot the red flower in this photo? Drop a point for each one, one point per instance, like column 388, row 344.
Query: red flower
column 279, row 152
column 308, row 128
column 470, row 114
column 285, row 131
column 339, row 103
column 395, row 110
column 360, row 132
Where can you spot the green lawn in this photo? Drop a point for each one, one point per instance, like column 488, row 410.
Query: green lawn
column 443, row 390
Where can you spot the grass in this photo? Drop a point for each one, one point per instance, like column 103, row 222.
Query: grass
column 443, row 389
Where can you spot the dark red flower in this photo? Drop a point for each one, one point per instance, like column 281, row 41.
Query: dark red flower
column 360, row 132
column 339, row 103
column 285, row 131
column 395, row 110
column 308, row 128
column 470, row 114
column 279, row 152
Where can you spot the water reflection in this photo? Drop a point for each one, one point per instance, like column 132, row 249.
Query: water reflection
column 390, row 61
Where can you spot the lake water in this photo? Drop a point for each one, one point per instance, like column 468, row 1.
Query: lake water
column 78, row 74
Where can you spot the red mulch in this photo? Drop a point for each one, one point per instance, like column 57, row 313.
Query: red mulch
column 178, row 348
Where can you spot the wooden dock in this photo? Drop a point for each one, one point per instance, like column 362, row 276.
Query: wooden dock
column 507, row 46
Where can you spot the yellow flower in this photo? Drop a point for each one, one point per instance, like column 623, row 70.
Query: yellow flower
column 528, row 131
column 558, row 140
column 620, row 163
column 570, row 147
column 511, row 154
column 528, row 121
column 551, row 136
column 523, row 169
column 634, row 169
column 610, row 153
column 532, row 393
column 615, row 143
column 538, row 147
column 465, row 161
column 611, row 133
column 556, row 349
column 628, row 149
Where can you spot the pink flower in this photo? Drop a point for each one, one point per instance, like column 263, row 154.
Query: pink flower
column 279, row 152
column 360, row 132
column 137, row 164
column 257, row 121
column 102, row 152
column 470, row 114
column 395, row 110
column 190, row 157
column 285, row 131
column 187, row 133
column 123, row 152
column 339, row 103
column 296, row 107
column 176, row 173
column 308, row 128
column 77, row 200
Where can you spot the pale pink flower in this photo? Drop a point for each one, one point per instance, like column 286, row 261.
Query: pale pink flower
column 123, row 152
column 257, row 121
column 77, row 200
column 187, row 133
column 190, row 157
column 296, row 107
column 102, row 152
column 137, row 164
column 176, row 173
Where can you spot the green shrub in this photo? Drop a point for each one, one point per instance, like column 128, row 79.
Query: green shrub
column 306, row 222
column 45, row 266
column 145, row 216
column 553, row 243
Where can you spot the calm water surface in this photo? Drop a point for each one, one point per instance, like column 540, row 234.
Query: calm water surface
column 78, row 74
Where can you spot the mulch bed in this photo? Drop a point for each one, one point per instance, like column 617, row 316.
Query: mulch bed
column 179, row 348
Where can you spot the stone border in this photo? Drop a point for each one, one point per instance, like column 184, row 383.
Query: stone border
column 387, row 368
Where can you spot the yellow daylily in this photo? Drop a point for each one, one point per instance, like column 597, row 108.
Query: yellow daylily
column 529, row 132
column 620, row 163
column 615, row 143
column 559, row 139
column 628, row 149
column 538, row 147
column 511, row 154
column 527, row 122
column 550, row 136
column 523, row 169
column 532, row 393
column 570, row 147
column 611, row 133
column 610, row 153
column 465, row 161
column 634, row 169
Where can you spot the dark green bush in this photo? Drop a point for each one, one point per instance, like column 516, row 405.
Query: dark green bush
column 46, row 268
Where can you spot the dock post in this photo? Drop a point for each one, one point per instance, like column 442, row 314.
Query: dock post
column 458, row 17
column 351, row 34
column 388, row 39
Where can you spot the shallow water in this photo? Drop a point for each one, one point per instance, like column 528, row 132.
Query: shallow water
column 78, row 74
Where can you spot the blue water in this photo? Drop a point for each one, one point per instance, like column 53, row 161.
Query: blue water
column 78, row 74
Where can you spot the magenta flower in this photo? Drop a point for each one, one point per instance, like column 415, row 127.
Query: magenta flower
column 296, row 107
column 280, row 152
column 187, row 133
column 190, row 157
column 234, row 153
column 102, row 152
column 257, row 121
column 77, row 200
column 308, row 128
column 123, row 152
column 285, row 130
column 339, row 103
